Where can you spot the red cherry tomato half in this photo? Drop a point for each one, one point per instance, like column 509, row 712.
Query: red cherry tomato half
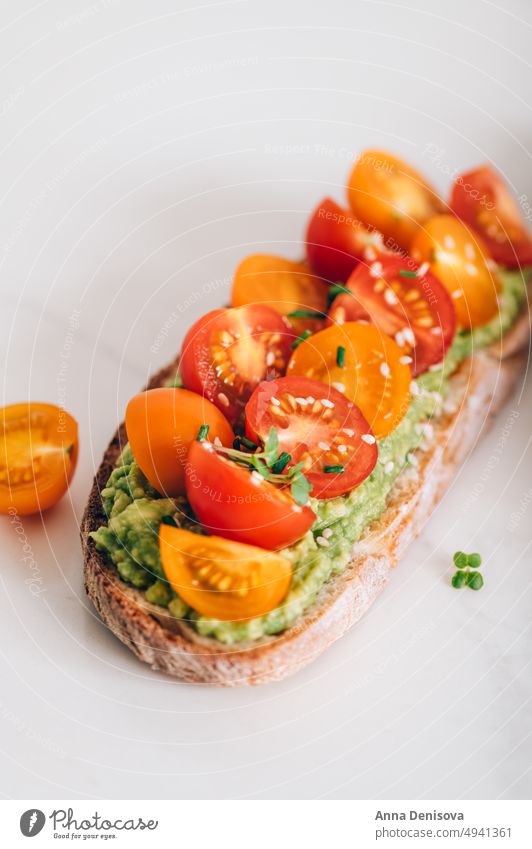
column 318, row 426
column 337, row 242
column 400, row 301
column 229, row 351
column 237, row 504
column 483, row 201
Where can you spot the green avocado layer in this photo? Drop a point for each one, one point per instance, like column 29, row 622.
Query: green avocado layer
column 135, row 510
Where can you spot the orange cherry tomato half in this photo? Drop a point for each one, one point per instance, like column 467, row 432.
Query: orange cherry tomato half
column 459, row 259
column 287, row 286
column 482, row 200
column 337, row 242
column 405, row 302
column 319, row 427
column 220, row 578
column 371, row 372
column 235, row 503
column 161, row 424
column 229, row 351
column 386, row 193
column 38, row 456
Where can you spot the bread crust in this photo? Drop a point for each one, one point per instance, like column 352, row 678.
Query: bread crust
column 478, row 390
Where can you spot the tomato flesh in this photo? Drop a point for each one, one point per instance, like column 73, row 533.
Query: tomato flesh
column 317, row 426
column 286, row 286
column 229, row 351
column 220, row 578
column 374, row 374
column 459, row 259
column 337, row 242
column 38, row 456
column 161, row 424
column 386, row 193
column 405, row 302
column 482, row 200
column 234, row 503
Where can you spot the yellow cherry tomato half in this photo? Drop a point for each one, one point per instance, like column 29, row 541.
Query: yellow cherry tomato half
column 38, row 456
column 365, row 365
column 386, row 193
column 460, row 260
column 287, row 286
column 161, row 424
column 220, row 578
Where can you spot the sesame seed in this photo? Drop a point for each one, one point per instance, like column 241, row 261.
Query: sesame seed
column 324, row 446
column 327, row 533
column 310, row 399
column 384, row 369
column 275, row 401
column 390, row 297
column 322, row 541
column 223, row 399
column 400, row 339
column 348, row 431
column 436, row 331
column 469, row 251
column 409, row 336
column 449, row 243
column 387, row 415
column 339, row 386
column 422, row 270
column 414, row 388
column 302, row 401
column 270, row 358
column 342, row 449
column 256, row 478
column 456, row 294
column 327, row 403
column 368, row 438
column 375, row 269
column 389, row 467
column 435, row 367
column 369, row 254
column 412, row 459
column 471, row 269
column 405, row 360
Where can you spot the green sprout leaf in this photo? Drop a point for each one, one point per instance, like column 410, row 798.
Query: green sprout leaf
column 281, row 463
column 300, row 489
column 459, row 580
column 460, row 560
column 202, row 433
column 271, row 447
column 475, row 581
column 474, row 560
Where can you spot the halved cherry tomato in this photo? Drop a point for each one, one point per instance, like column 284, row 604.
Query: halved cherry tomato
column 318, row 426
column 459, row 259
column 386, row 193
column 337, row 242
column 284, row 285
column 229, row 351
column 482, row 200
column 38, row 456
column 371, row 371
column 412, row 307
column 230, row 501
column 220, row 578
column 161, row 424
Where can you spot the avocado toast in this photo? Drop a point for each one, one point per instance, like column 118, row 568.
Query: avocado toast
column 268, row 482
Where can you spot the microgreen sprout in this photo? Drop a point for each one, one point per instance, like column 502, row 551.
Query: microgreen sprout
column 271, row 464
column 202, row 433
column 464, row 576
column 340, row 356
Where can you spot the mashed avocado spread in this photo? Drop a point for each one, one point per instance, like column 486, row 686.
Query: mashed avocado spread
column 135, row 510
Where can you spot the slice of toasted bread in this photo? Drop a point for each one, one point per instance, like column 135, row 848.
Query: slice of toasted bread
column 478, row 389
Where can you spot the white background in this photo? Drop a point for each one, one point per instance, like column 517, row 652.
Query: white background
column 145, row 149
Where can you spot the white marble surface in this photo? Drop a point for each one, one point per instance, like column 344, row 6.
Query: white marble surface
column 145, row 149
